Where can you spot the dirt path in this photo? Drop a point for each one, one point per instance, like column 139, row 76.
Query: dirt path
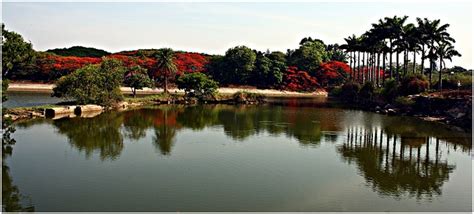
column 39, row 87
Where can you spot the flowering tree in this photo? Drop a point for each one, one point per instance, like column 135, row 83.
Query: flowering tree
column 295, row 80
column 333, row 72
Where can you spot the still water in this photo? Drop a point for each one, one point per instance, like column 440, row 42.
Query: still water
column 28, row 99
column 238, row 158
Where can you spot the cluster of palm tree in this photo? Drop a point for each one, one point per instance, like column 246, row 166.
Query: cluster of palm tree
column 392, row 35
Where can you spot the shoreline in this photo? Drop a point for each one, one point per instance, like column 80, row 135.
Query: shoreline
column 48, row 88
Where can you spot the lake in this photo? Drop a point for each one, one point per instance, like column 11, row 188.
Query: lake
column 285, row 157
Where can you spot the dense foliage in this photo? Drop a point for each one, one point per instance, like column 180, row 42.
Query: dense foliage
column 93, row 84
column 137, row 79
column 79, row 51
column 17, row 55
column 197, row 85
column 373, row 58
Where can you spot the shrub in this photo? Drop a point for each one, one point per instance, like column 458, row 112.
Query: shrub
column 245, row 96
column 390, row 90
column 366, row 93
column 404, row 102
column 350, row 91
column 197, row 84
column 413, row 84
column 451, row 81
column 93, row 84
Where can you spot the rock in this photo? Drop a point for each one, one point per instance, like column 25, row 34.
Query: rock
column 388, row 106
column 391, row 111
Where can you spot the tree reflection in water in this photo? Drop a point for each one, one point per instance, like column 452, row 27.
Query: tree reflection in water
column 397, row 156
column 397, row 165
column 100, row 133
column 12, row 199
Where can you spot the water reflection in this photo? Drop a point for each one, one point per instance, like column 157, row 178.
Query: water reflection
column 12, row 199
column 397, row 156
column 101, row 133
column 398, row 165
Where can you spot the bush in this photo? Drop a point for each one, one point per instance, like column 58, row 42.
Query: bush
column 390, row 90
column 366, row 93
column 350, row 91
column 93, row 84
column 198, row 85
column 404, row 102
column 413, row 84
column 245, row 96
column 451, row 81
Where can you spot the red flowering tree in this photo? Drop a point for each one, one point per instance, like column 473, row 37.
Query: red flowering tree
column 295, row 80
column 333, row 72
column 51, row 67
column 190, row 62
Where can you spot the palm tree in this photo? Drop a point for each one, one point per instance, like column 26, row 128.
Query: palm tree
column 435, row 34
column 350, row 47
column 165, row 65
column 423, row 39
column 414, row 42
column 445, row 51
column 394, row 28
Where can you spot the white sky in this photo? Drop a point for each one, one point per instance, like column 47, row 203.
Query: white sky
column 215, row 27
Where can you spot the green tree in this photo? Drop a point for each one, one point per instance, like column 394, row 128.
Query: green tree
column 137, row 78
column 269, row 69
column 93, row 84
column 309, row 55
column 239, row 62
column 198, row 84
column 445, row 51
column 166, row 66
column 17, row 55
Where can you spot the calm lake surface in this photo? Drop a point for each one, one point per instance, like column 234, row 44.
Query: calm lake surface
column 28, row 99
column 238, row 158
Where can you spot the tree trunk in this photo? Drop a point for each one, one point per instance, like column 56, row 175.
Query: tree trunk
column 363, row 66
column 390, row 64
column 378, row 69
column 397, row 66
column 440, row 81
column 405, row 62
column 358, row 65
column 166, row 85
column 414, row 62
column 383, row 68
column 423, row 59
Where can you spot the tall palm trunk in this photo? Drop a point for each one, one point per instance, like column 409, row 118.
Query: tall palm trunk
column 431, row 63
column 363, row 66
column 414, row 62
column 423, row 59
column 390, row 64
column 405, row 62
column 383, row 68
column 378, row 68
column 440, row 81
column 397, row 66
column 358, row 65
column 165, row 89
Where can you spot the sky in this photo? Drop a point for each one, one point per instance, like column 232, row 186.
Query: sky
column 215, row 27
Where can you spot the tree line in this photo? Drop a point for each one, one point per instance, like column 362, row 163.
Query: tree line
column 391, row 37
